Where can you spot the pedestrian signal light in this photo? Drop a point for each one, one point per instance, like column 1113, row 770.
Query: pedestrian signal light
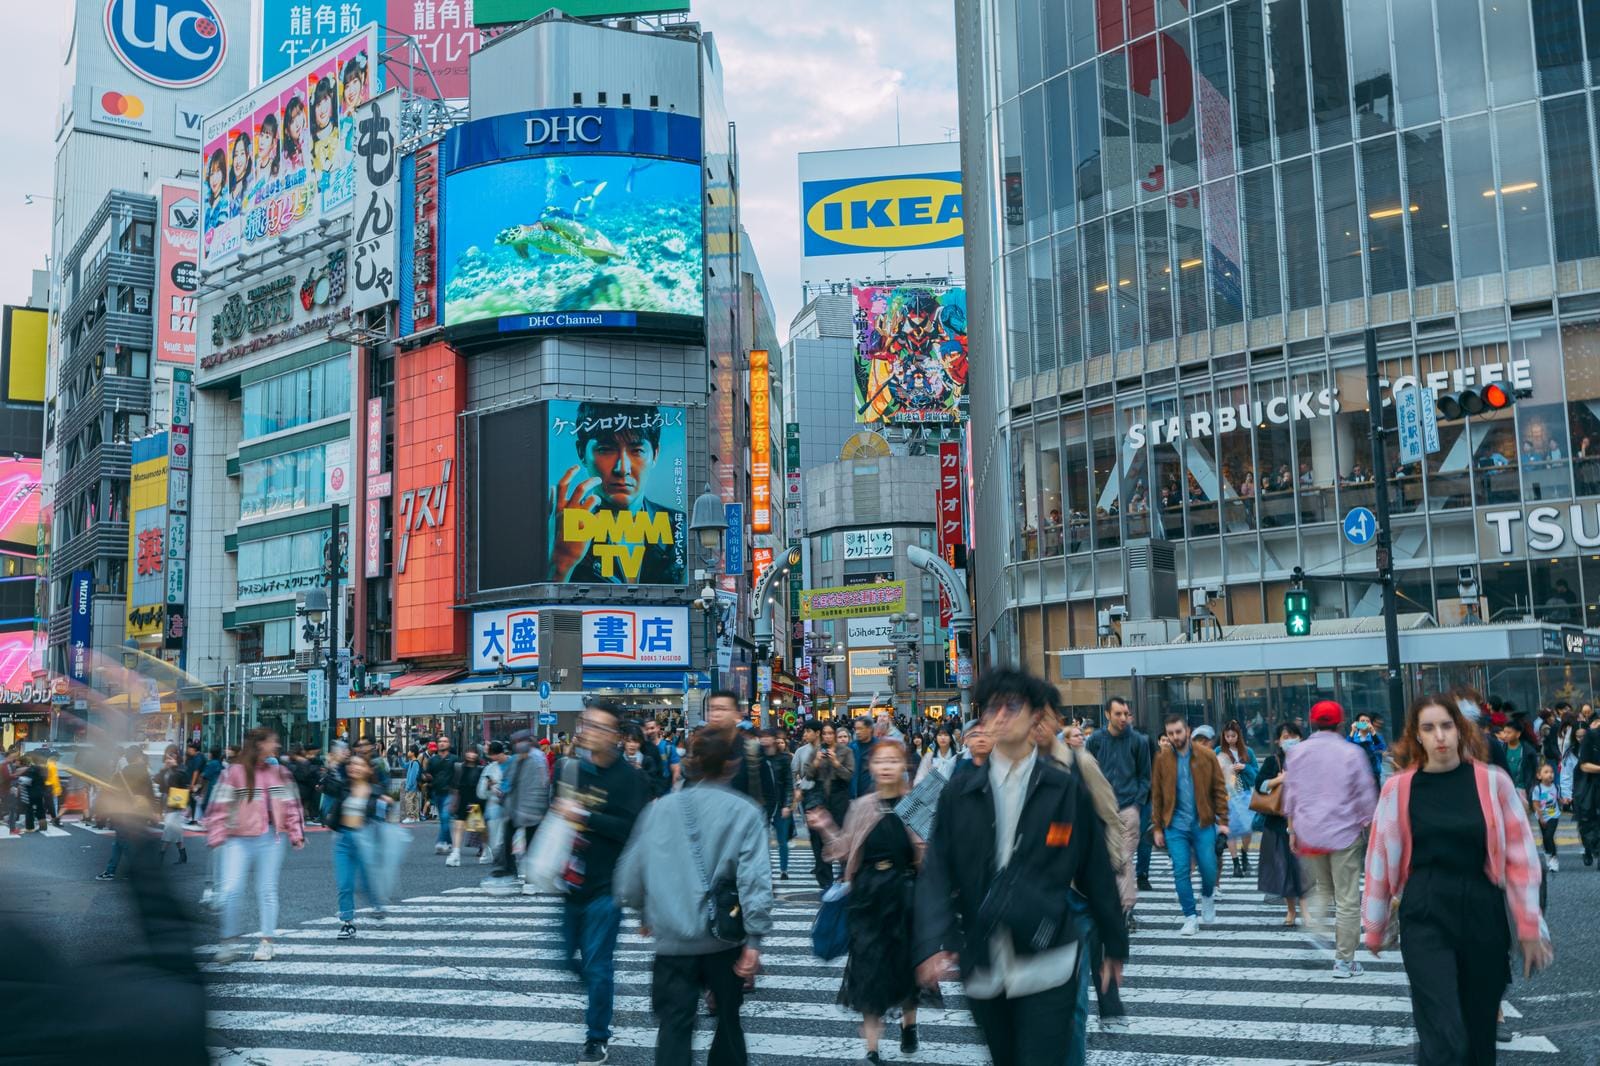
column 1297, row 612
column 1475, row 401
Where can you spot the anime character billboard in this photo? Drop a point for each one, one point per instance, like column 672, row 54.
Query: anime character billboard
column 911, row 353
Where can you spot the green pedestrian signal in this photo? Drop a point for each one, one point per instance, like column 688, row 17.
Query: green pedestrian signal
column 1297, row 612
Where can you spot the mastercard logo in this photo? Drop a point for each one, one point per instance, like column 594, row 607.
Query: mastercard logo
column 122, row 105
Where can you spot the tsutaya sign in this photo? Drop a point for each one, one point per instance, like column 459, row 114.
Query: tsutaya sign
column 1558, row 529
column 1322, row 403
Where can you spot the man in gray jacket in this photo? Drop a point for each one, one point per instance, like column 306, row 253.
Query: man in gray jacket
column 525, row 797
column 682, row 845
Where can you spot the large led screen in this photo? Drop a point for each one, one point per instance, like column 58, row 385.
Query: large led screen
column 19, row 501
column 582, row 492
column 16, row 659
column 572, row 241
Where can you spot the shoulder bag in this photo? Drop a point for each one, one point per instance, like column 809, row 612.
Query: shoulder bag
column 724, row 915
column 1268, row 803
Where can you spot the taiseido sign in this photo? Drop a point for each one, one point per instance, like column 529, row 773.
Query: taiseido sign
column 562, row 129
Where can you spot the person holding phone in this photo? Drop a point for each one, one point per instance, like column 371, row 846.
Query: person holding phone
column 829, row 770
column 1451, row 841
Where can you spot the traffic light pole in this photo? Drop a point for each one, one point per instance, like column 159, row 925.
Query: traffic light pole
column 1385, row 560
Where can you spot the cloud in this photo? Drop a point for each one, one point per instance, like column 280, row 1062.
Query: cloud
column 819, row 76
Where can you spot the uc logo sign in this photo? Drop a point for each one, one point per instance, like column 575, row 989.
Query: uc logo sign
column 882, row 214
column 171, row 43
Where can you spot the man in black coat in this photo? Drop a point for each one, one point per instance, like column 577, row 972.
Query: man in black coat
column 1008, row 841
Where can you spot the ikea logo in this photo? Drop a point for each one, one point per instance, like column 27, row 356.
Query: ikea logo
column 900, row 213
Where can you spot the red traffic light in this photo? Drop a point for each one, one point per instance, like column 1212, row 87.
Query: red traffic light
column 1496, row 397
column 1476, row 401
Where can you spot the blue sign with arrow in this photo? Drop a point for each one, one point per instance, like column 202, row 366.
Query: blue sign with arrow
column 544, row 690
column 1360, row 526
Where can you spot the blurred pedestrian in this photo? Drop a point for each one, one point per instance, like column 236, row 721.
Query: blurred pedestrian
column 778, row 786
column 360, row 809
column 1008, row 836
column 468, row 817
column 1123, row 755
column 829, row 769
column 880, row 854
column 440, row 779
column 1237, row 754
column 1451, row 842
column 410, row 794
column 255, row 813
column 173, row 791
column 525, row 796
column 130, row 806
column 697, row 850
column 1278, row 873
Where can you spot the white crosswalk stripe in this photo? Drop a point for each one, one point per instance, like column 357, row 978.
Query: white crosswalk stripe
column 465, row 978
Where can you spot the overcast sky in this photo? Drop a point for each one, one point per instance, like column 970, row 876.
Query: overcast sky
column 818, row 75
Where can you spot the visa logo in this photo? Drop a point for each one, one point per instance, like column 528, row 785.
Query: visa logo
column 883, row 214
column 189, row 123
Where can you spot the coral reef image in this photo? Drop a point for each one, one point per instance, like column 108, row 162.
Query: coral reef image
column 572, row 233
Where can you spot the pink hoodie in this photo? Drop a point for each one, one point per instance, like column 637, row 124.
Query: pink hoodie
column 233, row 813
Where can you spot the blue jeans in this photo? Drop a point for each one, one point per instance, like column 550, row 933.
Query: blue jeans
column 1142, row 867
column 1078, row 1049
column 354, row 862
column 783, row 828
column 589, row 930
column 240, row 856
column 1200, row 845
column 442, row 805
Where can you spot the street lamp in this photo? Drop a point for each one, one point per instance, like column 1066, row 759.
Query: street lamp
column 907, row 638
column 707, row 523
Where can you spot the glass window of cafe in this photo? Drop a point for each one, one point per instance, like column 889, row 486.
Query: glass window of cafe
column 1580, row 343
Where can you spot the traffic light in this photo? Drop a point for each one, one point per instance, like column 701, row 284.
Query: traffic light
column 1478, row 400
column 1297, row 612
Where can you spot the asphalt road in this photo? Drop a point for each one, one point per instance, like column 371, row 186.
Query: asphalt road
column 457, row 977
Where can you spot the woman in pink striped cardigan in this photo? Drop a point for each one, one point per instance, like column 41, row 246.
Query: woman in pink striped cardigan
column 1451, row 843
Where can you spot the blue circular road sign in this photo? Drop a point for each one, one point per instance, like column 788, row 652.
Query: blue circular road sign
column 1360, row 526
column 544, row 690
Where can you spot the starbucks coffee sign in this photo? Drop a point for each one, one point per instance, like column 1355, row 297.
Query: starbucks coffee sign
column 1552, row 529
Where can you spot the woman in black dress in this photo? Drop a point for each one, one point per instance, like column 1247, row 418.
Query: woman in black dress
column 1277, row 870
column 880, row 854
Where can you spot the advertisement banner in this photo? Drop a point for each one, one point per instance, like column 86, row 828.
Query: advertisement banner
column 852, row 601
column 897, row 213
column 177, row 534
column 605, row 483
column 375, row 250
column 147, row 536
column 282, row 158
column 294, row 30
column 177, row 558
column 760, row 442
column 176, row 45
column 573, row 219
column 733, row 539
column 911, row 353
column 500, row 12
column 337, row 471
column 871, row 672
column 947, row 502
column 80, row 635
column 311, row 297
column 373, row 540
column 612, row 636
column 24, row 342
column 760, row 563
column 868, row 544
column 874, row 632
column 19, row 502
column 430, row 389
column 177, row 273
column 419, row 209
column 128, row 110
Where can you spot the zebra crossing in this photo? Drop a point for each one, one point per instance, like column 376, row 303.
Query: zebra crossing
column 461, row 977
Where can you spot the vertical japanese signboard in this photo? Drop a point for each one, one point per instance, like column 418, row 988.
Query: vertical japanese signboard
column 82, row 625
column 419, row 303
column 177, row 540
column 177, row 273
column 376, row 251
column 948, row 503
column 379, row 485
column 760, row 443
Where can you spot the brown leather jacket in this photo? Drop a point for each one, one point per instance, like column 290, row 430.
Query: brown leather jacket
column 1210, row 793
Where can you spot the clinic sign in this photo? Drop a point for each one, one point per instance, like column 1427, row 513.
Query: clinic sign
column 612, row 636
column 1313, row 404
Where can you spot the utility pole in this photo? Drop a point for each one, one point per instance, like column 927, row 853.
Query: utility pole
column 1385, row 560
column 332, row 665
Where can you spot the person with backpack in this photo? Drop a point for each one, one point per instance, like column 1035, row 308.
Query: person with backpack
column 699, row 869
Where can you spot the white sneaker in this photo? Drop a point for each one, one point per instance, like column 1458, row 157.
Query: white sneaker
column 230, row 951
column 264, row 951
column 1208, row 909
column 206, row 897
column 1190, row 927
column 408, row 821
column 1343, row 969
column 454, row 859
column 1553, row 864
column 441, row 849
column 485, row 858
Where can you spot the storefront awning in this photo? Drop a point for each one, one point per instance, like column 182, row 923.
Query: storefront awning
column 425, row 677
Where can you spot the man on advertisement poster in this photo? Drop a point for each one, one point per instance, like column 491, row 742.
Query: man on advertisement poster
column 603, row 528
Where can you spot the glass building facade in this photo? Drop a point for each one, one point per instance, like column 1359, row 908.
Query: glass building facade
column 1196, row 211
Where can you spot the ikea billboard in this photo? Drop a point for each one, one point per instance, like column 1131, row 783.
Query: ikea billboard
column 876, row 214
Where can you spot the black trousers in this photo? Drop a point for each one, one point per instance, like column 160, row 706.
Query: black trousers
column 676, row 982
column 506, row 861
column 1456, row 947
column 1547, row 830
column 821, row 869
column 1029, row 1029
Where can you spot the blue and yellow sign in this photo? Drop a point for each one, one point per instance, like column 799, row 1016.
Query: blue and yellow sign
column 847, row 216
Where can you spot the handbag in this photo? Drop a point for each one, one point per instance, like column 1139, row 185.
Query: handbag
column 177, row 798
column 1268, row 803
column 550, row 853
column 724, row 915
column 830, row 931
column 474, row 820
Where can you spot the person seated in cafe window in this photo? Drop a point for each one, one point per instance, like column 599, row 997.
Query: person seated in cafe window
column 1139, row 504
column 1586, row 448
column 1553, row 453
column 1306, row 478
column 1285, row 479
column 1247, row 487
column 1358, row 474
